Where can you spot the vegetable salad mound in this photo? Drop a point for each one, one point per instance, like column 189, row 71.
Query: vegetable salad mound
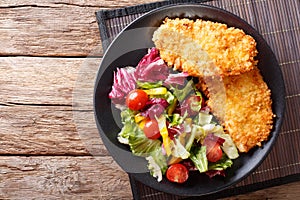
column 166, row 120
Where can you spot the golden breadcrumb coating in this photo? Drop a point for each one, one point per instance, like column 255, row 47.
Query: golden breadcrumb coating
column 224, row 61
column 245, row 109
column 231, row 50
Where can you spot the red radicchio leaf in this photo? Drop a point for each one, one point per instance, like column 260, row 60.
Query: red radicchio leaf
column 124, row 82
column 213, row 138
column 189, row 165
column 176, row 79
column 152, row 68
column 155, row 107
column 161, row 101
column 174, row 131
column 191, row 105
column 152, row 56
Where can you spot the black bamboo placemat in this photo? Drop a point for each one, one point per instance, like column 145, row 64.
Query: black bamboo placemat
column 279, row 23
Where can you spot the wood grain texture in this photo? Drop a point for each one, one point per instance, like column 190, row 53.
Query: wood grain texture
column 38, row 80
column 45, row 177
column 47, row 106
column 45, row 80
column 52, row 28
column 48, row 130
column 65, row 177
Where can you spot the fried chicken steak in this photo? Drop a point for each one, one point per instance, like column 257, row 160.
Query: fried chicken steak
column 223, row 58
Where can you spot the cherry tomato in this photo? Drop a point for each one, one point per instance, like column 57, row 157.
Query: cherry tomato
column 177, row 173
column 136, row 99
column 151, row 129
column 213, row 152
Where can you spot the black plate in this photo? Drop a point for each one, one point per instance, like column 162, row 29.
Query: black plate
column 129, row 47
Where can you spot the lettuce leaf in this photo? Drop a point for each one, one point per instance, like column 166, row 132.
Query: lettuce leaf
column 222, row 164
column 157, row 164
column 140, row 145
column 178, row 150
column 182, row 93
column 203, row 119
column 198, row 157
column 134, row 136
column 129, row 126
column 228, row 146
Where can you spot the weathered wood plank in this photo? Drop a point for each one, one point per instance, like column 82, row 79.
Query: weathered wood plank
column 62, row 178
column 87, row 177
column 43, row 80
column 106, row 4
column 52, row 28
column 48, row 130
column 47, row 106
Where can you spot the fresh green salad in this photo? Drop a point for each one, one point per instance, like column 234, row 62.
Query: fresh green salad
column 165, row 119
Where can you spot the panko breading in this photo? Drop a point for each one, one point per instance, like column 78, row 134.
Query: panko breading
column 231, row 50
column 224, row 61
column 246, row 112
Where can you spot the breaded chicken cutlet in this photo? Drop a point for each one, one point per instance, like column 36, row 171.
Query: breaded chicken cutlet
column 224, row 61
column 244, row 110
column 231, row 50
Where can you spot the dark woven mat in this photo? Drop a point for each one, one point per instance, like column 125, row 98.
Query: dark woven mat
column 279, row 23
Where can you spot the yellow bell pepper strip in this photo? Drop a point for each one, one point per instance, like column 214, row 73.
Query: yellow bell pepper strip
column 142, row 123
column 173, row 160
column 164, row 134
column 156, row 91
column 172, row 107
column 138, row 118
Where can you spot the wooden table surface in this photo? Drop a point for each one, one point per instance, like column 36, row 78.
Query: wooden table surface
column 49, row 144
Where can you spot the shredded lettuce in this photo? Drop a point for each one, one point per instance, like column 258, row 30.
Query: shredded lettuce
column 140, row 145
column 203, row 118
column 198, row 157
column 178, row 150
column 187, row 125
column 129, row 126
column 157, row 164
column 154, row 168
column 192, row 104
column 150, row 57
column 169, row 97
column 199, row 132
column 134, row 136
column 228, row 146
column 155, row 107
column 176, row 119
column 190, row 133
column 222, row 164
column 181, row 94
